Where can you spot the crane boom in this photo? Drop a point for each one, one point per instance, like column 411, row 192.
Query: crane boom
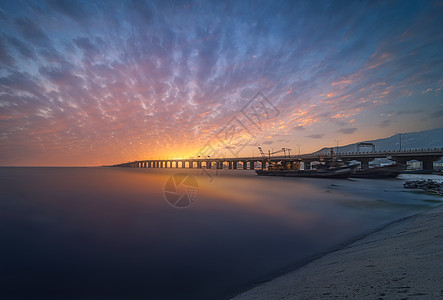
column 262, row 154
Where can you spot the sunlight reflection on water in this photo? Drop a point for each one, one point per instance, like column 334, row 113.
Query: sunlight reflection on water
column 109, row 233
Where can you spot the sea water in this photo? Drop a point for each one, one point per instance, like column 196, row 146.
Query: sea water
column 115, row 233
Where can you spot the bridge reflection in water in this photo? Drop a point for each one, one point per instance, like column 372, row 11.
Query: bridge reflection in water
column 426, row 156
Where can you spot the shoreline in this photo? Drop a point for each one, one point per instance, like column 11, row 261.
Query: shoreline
column 373, row 265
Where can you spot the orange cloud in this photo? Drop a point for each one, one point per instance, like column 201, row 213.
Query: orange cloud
column 342, row 82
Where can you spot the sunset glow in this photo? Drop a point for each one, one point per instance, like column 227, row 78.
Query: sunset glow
column 100, row 83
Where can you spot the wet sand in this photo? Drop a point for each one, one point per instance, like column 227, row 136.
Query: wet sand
column 404, row 260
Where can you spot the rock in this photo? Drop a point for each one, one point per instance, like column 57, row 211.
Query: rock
column 425, row 185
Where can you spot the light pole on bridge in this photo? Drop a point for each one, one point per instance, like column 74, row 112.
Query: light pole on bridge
column 336, row 154
column 399, row 134
column 298, row 148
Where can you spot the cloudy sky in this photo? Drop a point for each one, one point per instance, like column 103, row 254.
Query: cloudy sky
column 91, row 83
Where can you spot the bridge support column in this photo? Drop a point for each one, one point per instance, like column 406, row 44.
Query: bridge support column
column 364, row 163
column 191, row 164
column 307, row 165
column 208, row 164
column 230, row 165
column 234, row 165
column 263, row 164
column 219, row 165
column 428, row 164
column 199, row 164
column 245, row 165
column 251, row 165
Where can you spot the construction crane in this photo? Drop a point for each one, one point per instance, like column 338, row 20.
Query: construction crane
column 289, row 152
column 275, row 152
column 262, row 154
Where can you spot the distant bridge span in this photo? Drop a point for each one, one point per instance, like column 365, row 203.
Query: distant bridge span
column 426, row 156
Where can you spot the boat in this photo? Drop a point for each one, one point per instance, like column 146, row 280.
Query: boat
column 334, row 172
column 390, row 171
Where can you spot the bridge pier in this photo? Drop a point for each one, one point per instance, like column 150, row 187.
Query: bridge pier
column 230, row 165
column 364, row 163
column 234, row 165
column 219, row 165
column 208, row 164
column 428, row 162
column 245, row 165
column 199, row 164
column 251, row 165
column 307, row 165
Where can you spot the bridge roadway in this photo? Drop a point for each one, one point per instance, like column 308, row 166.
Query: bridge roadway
column 426, row 156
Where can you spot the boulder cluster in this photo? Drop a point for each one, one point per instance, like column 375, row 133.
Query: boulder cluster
column 425, row 185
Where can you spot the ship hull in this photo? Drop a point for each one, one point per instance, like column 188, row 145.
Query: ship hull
column 379, row 172
column 339, row 173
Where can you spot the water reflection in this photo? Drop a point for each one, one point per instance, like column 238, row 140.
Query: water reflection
column 107, row 233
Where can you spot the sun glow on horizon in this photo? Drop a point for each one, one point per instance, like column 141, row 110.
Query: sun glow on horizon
column 99, row 84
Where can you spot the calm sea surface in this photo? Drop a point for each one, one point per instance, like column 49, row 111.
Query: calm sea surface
column 109, row 233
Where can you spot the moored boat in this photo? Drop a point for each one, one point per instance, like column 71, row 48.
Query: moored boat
column 337, row 172
column 390, row 171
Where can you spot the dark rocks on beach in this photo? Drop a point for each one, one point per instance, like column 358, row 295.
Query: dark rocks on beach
column 425, row 185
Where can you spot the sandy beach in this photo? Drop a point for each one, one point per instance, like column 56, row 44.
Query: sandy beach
column 404, row 260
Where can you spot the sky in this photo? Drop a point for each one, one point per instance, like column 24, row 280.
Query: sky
column 86, row 83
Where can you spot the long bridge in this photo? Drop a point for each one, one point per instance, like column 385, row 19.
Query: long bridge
column 426, row 156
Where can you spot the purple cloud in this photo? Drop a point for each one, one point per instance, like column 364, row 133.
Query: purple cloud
column 347, row 130
column 316, row 136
